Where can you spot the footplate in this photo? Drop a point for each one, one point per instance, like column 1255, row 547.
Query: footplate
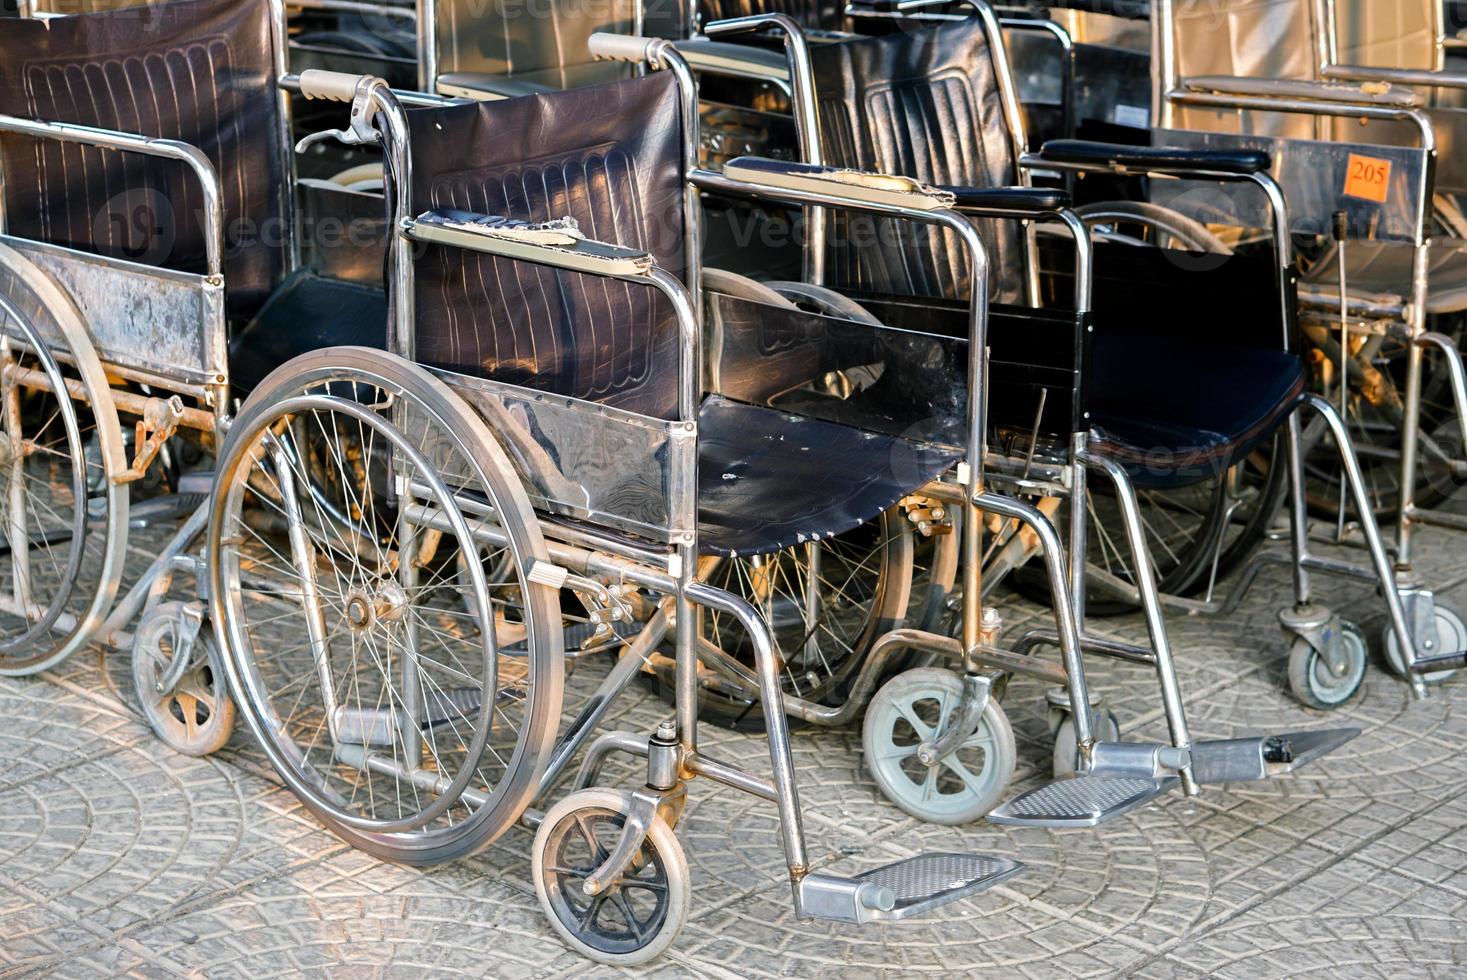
column 1081, row 800
column 906, row 888
column 1238, row 760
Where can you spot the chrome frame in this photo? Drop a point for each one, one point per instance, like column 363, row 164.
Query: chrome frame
column 1169, row 94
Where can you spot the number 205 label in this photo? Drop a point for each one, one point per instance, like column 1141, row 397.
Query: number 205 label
column 1368, row 178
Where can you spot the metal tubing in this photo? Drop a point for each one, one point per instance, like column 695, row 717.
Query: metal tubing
column 728, row 775
column 1171, row 691
column 781, row 759
column 804, row 108
column 1458, row 375
column 620, row 741
column 1411, row 425
column 1298, row 510
column 1063, row 604
column 190, row 156
column 1371, row 529
column 628, row 666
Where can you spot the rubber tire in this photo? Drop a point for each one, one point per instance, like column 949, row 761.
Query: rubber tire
column 542, row 718
column 1304, row 666
column 660, row 836
column 945, row 684
column 1449, row 623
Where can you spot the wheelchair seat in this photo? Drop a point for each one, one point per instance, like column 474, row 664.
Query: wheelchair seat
column 308, row 312
column 769, row 480
column 1168, row 430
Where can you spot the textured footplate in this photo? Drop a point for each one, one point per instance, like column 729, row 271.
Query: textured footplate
column 1080, row 800
column 906, row 888
column 928, row 881
column 1238, row 760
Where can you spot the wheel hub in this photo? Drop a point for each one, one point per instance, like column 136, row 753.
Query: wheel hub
column 384, row 605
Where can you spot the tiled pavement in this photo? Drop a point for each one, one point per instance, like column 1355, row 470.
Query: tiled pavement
column 116, row 856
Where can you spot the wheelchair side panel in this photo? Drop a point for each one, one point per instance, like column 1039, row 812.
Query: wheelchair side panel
column 1314, row 176
column 169, row 325
column 589, row 461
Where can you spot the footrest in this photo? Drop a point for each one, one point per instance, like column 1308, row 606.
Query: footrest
column 903, row 889
column 1240, row 760
column 1080, row 800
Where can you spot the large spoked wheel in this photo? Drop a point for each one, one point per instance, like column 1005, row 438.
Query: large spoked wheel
column 376, row 674
column 63, row 516
column 637, row 917
column 1374, row 416
column 1451, row 637
column 1311, row 678
column 914, row 708
column 1197, row 535
column 825, row 603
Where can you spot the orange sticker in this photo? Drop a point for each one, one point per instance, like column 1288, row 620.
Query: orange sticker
column 1368, row 178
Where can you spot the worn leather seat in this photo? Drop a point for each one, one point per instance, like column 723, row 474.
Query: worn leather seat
column 1168, row 429
column 769, row 480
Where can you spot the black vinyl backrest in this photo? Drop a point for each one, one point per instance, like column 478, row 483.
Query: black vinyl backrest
column 922, row 103
column 199, row 71
column 610, row 157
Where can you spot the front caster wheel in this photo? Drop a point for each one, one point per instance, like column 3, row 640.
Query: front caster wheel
column 196, row 715
column 1105, row 728
column 1451, row 635
column 914, row 708
column 636, row 918
column 1315, row 683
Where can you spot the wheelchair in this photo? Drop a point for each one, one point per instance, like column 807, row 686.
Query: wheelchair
column 1385, row 256
column 388, row 532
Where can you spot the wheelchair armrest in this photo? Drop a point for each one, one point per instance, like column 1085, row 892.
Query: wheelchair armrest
column 1371, row 92
column 856, row 186
column 1149, row 159
column 1008, row 201
column 734, row 60
column 553, row 243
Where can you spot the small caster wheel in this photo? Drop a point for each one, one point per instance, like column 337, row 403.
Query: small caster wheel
column 1451, row 634
column 197, row 715
column 1105, row 728
column 638, row 917
column 914, row 707
column 1313, row 682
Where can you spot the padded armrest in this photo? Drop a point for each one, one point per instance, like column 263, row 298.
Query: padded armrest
column 735, row 60
column 857, row 186
column 557, row 243
column 1027, row 200
column 1369, row 93
column 1115, row 156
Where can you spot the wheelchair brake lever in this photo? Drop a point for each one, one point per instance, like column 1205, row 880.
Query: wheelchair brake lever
column 347, row 137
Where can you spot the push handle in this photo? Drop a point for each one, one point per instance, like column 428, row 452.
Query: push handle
column 337, row 86
column 622, row 47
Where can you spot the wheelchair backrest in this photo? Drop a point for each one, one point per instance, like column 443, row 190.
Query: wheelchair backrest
column 199, row 71
column 1396, row 34
column 543, row 41
column 923, row 103
column 611, row 157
